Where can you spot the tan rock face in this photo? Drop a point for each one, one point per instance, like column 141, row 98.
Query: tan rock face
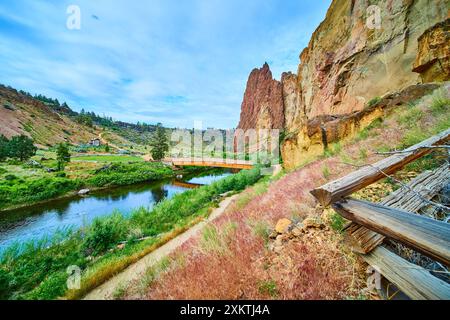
column 433, row 56
column 350, row 61
column 262, row 107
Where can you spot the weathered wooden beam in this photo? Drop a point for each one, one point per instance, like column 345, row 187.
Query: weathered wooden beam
column 416, row 282
column 431, row 237
column 361, row 239
column 363, row 177
column 427, row 185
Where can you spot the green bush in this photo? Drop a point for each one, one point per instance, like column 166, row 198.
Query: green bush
column 10, row 177
column 104, row 233
column 119, row 174
column 60, row 175
column 5, row 283
column 15, row 191
column 373, row 101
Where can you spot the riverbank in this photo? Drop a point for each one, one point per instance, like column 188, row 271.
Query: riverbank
column 22, row 185
column 108, row 245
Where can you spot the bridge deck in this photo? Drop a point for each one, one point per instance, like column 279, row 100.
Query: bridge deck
column 212, row 162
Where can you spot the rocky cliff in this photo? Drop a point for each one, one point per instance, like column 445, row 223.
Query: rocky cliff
column 262, row 106
column 360, row 52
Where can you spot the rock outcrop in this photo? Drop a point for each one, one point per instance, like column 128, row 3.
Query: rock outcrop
column 358, row 54
column 262, row 107
column 433, row 57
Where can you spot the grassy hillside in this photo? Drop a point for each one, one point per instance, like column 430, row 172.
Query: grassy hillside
column 20, row 114
column 48, row 122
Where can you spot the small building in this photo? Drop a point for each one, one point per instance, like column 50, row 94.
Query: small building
column 95, row 142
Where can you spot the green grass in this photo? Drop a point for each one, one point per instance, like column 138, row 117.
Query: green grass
column 409, row 119
column 109, row 158
column 441, row 102
column 326, row 172
column 337, row 222
column 268, row 287
column 38, row 270
column 333, row 149
column 261, row 229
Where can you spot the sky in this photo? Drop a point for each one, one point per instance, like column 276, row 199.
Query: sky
column 168, row 61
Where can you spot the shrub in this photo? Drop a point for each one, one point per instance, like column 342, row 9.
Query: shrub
column 363, row 154
column 16, row 191
column 373, row 101
column 262, row 229
column 60, row 174
column 5, row 281
column 10, row 177
column 104, row 233
column 8, row 106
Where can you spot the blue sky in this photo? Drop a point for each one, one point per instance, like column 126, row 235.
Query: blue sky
column 166, row 61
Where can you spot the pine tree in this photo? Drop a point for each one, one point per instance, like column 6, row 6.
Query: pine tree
column 159, row 143
column 62, row 155
column 21, row 147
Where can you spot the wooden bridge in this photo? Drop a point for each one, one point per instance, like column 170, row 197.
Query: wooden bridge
column 210, row 162
column 397, row 217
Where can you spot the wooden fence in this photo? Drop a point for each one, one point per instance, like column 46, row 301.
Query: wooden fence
column 396, row 218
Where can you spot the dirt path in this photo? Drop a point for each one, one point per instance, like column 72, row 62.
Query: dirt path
column 136, row 270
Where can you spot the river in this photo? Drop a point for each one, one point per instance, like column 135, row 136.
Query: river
column 37, row 221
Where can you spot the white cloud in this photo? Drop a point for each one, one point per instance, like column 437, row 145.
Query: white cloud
column 136, row 57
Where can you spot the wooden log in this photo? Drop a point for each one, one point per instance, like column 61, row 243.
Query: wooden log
column 431, row 237
column 361, row 239
column 428, row 184
column 359, row 179
column 424, row 187
column 416, row 282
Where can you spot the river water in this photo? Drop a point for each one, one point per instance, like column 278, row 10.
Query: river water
column 37, row 221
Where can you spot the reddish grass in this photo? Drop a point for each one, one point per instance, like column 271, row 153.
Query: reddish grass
column 313, row 267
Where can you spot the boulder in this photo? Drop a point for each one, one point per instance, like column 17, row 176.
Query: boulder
column 313, row 222
column 283, row 226
column 83, row 192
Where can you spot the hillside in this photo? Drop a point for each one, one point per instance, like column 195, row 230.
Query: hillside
column 48, row 123
column 346, row 69
column 20, row 114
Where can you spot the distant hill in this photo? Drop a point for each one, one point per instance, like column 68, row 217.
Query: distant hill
column 48, row 122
